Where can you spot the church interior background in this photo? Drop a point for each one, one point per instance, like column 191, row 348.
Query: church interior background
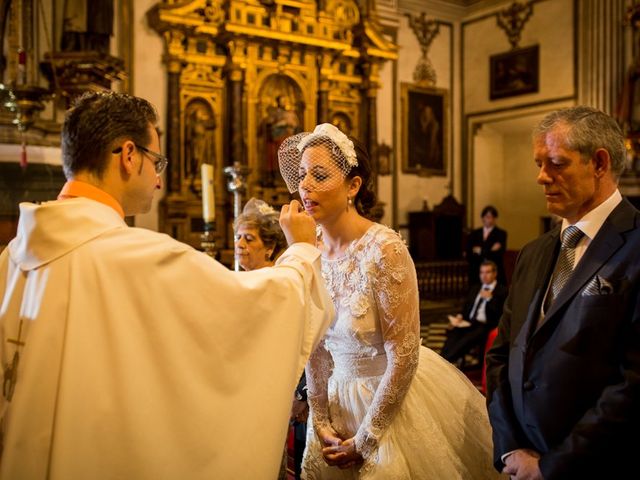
column 444, row 94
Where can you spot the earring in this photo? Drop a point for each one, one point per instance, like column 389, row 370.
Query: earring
column 267, row 256
column 349, row 203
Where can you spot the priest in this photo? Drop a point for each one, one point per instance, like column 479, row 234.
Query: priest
column 127, row 354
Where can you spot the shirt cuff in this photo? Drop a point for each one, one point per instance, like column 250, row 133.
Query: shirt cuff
column 504, row 456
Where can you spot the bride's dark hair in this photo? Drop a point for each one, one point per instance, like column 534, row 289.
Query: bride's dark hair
column 366, row 198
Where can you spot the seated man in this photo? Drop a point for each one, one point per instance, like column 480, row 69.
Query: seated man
column 482, row 312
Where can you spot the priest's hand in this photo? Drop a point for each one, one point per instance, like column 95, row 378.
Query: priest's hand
column 343, row 455
column 297, row 225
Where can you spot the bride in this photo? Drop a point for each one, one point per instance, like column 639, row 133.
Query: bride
column 382, row 406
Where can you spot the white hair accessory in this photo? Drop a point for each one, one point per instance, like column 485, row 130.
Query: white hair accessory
column 332, row 132
column 260, row 207
column 331, row 164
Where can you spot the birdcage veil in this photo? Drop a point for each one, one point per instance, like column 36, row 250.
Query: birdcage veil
column 332, row 160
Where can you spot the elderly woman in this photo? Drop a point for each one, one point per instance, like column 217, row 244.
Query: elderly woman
column 259, row 241
column 258, row 237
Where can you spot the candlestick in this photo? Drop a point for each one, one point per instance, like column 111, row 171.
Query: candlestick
column 237, row 184
column 208, row 196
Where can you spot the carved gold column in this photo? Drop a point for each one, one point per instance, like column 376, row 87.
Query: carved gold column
column 370, row 133
column 174, row 67
column 323, row 89
column 27, row 40
column 236, row 130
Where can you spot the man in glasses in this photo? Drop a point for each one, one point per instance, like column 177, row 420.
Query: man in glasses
column 127, row 354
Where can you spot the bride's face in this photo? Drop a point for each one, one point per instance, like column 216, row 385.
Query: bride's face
column 323, row 188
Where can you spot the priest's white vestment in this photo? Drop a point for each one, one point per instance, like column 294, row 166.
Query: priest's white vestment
column 142, row 358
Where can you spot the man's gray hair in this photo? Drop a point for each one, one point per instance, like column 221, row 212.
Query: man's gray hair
column 589, row 130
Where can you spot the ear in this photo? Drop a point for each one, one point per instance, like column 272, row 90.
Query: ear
column 127, row 157
column 601, row 162
column 354, row 186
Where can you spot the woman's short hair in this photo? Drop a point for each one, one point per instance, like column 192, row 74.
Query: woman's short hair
column 261, row 216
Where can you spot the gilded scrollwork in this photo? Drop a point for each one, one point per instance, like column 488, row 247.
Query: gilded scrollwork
column 269, row 68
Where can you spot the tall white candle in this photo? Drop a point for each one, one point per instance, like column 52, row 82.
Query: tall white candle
column 208, row 197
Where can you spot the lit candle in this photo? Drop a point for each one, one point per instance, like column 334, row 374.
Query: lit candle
column 208, row 197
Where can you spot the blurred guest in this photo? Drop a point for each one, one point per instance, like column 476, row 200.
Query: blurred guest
column 488, row 242
column 259, row 241
column 481, row 314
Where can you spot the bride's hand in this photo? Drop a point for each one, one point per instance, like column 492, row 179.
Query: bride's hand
column 328, row 436
column 343, row 455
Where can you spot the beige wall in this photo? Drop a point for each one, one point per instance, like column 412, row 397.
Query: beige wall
column 412, row 190
column 506, row 179
column 499, row 167
column 551, row 26
column 149, row 82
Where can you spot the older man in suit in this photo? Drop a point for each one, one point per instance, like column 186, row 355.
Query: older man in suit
column 564, row 372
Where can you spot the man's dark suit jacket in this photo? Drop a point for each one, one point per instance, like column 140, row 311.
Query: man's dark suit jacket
column 571, row 389
column 493, row 308
column 496, row 235
column 461, row 340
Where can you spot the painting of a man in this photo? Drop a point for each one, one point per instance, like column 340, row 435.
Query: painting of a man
column 425, row 131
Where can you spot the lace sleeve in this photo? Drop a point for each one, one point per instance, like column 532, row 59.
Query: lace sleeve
column 396, row 292
column 318, row 371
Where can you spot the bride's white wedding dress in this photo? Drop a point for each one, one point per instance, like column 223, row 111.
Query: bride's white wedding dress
column 413, row 414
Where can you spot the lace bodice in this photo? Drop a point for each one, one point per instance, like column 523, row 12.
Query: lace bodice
column 375, row 332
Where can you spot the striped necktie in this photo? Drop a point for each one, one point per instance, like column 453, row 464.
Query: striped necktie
column 564, row 266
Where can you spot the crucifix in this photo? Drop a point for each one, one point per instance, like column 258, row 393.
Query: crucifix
column 11, row 369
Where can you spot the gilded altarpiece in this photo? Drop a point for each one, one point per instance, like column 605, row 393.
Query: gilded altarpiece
column 245, row 74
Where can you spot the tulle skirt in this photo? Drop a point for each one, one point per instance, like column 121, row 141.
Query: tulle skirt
column 440, row 432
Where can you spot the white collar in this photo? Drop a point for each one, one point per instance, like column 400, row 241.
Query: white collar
column 591, row 223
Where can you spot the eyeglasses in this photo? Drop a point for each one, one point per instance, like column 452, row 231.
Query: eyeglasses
column 161, row 161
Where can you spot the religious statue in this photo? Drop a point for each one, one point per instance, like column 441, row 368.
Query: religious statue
column 87, row 25
column 200, row 142
column 281, row 122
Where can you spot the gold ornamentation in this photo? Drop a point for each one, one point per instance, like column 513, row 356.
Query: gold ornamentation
column 264, row 79
column 425, row 31
column 513, row 19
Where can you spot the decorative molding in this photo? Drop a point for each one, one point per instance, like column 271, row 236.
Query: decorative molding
column 425, row 31
column 513, row 19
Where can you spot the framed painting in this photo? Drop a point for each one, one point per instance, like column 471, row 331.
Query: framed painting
column 514, row 73
column 424, row 129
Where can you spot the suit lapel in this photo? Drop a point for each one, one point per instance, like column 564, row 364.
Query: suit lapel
column 547, row 253
column 606, row 243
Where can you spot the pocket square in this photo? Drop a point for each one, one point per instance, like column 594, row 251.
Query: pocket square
column 597, row 286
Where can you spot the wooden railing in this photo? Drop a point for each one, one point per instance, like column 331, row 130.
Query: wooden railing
column 442, row 280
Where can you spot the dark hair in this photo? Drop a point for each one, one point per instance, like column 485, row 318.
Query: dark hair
column 489, row 209
column 489, row 263
column 365, row 198
column 95, row 122
column 589, row 129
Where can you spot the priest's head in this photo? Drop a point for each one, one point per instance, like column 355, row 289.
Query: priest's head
column 110, row 140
